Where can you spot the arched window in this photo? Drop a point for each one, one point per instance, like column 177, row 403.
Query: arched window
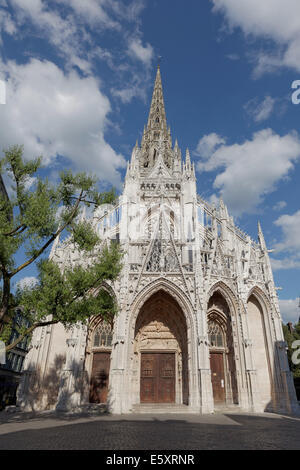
column 215, row 335
column 103, row 336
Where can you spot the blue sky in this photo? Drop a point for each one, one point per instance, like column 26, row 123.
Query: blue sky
column 79, row 78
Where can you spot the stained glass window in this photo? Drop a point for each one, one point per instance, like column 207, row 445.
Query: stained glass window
column 215, row 335
column 103, row 336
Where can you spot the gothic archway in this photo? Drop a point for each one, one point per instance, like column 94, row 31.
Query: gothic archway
column 99, row 348
column 258, row 334
column 161, row 351
column 221, row 350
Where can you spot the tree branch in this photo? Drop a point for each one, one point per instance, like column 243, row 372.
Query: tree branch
column 22, row 226
column 28, row 332
column 45, row 246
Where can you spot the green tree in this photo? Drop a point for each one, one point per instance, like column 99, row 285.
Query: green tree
column 290, row 337
column 30, row 220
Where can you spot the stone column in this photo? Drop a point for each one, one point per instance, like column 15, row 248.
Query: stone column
column 66, row 397
column 254, row 399
column 205, row 384
column 117, row 392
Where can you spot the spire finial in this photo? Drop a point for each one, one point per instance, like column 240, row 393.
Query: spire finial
column 261, row 237
column 188, row 158
column 159, row 57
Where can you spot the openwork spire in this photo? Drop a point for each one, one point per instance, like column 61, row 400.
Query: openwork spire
column 157, row 114
column 157, row 131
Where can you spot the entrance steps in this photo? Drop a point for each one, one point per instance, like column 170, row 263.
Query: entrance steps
column 163, row 408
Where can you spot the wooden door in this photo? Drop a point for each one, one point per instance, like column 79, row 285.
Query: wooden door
column 166, row 378
column 100, row 377
column 158, row 378
column 217, row 377
column 148, row 378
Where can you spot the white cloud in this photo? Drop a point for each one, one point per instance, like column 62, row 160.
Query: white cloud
column 271, row 19
column 55, row 113
column 137, row 84
column 208, row 144
column 72, row 30
column 233, row 57
column 63, row 33
column 290, row 243
column 126, row 94
column 260, row 111
column 138, row 51
column 279, row 206
column 290, row 226
column 7, row 23
column 29, row 281
column 249, row 171
column 92, row 11
column 289, row 310
column 285, row 263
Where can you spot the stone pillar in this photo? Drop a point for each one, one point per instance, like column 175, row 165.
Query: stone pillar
column 117, row 392
column 66, row 399
column 205, row 384
column 254, row 399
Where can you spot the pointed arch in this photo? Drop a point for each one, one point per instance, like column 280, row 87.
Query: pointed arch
column 227, row 293
column 260, row 332
column 261, row 296
column 170, row 288
column 96, row 320
column 223, row 312
column 164, row 292
column 98, row 352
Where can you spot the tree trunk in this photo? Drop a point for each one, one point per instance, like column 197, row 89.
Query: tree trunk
column 5, row 299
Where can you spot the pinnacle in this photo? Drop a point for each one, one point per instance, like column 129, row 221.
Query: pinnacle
column 157, row 114
column 261, row 237
column 188, row 159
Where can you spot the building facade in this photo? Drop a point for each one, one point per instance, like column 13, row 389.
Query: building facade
column 12, row 366
column 198, row 324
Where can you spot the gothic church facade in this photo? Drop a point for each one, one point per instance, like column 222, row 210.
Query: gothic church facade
column 198, row 325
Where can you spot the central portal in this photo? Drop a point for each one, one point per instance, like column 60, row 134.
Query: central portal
column 160, row 361
column 157, row 377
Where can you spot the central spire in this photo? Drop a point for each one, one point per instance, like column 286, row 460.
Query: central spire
column 157, row 133
column 157, row 114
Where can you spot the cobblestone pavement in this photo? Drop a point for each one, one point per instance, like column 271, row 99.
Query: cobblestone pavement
column 149, row 432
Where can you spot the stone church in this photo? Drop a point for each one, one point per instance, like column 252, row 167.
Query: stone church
column 198, row 325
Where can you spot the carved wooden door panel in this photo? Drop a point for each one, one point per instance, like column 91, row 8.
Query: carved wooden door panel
column 157, row 378
column 148, row 378
column 217, row 377
column 166, row 378
column 100, row 377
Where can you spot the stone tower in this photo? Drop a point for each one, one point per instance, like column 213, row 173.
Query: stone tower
column 198, row 324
